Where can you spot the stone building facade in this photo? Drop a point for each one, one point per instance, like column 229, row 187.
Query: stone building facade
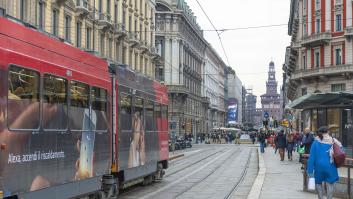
column 121, row 31
column 180, row 42
column 271, row 102
column 213, row 89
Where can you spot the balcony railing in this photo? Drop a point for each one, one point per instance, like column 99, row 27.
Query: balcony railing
column 83, row 7
column 178, row 89
column 143, row 45
column 316, row 39
column 119, row 30
column 348, row 32
column 326, row 71
column 104, row 20
column 133, row 39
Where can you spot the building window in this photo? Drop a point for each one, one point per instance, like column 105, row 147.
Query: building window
column 130, row 58
column 108, row 6
column 110, row 48
column 304, row 61
column 67, row 28
column 124, row 56
column 317, row 25
column 102, row 45
column 304, row 91
column 88, row 37
column 338, row 87
column 23, row 9
column 305, row 30
column 317, row 4
column 41, row 17
column 100, row 6
column 115, row 13
column 55, row 22
column 338, row 56
column 338, row 22
column 317, row 59
column 117, row 51
column 135, row 63
column 78, row 35
column 304, row 7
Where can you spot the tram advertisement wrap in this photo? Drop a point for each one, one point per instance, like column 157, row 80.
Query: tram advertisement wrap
column 32, row 158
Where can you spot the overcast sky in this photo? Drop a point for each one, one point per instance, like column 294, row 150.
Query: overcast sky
column 249, row 51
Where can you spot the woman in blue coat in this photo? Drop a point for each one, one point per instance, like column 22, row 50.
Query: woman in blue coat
column 321, row 163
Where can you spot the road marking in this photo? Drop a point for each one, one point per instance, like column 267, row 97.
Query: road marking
column 181, row 179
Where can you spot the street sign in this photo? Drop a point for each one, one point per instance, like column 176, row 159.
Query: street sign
column 266, row 115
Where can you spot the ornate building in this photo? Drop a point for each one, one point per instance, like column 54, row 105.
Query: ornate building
column 121, row 31
column 180, row 43
column 213, row 89
column 270, row 101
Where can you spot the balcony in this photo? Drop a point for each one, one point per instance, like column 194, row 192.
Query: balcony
column 82, row 7
column 104, row 21
column 323, row 72
column 316, row 39
column 133, row 39
column 119, row 31
column 153, row 52
column 179, row 89
column 348, row 32
column 143, row 46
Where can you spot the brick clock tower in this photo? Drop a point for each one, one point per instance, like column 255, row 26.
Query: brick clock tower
column 271, row 99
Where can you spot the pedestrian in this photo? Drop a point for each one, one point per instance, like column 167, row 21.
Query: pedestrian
column 281, row 143
column 261, row 139
column 308, row 139
column 321, row 164
column 290, row 145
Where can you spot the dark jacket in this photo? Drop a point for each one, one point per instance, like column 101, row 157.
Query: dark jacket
column 308, row 139
column 281, row 141
column 261, row 137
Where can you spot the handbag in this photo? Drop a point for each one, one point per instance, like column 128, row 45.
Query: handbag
column 339, row 156
column 301, row 150
column 311, row 184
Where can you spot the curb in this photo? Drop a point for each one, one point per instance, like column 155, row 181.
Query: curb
column 175, row 156
column 255, row 191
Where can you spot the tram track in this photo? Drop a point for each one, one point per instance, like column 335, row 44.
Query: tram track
column 208, row 175
column 127, row 191
column 196, row 162
column 242, row 177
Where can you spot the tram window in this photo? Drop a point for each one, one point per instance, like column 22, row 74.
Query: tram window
column 138, row 114
column 157, row 110
column 23, row 98
column 54, row 102
column 99, row 109
column 79, row 107
column 125, row 112
column 164, row 111
column 149, row 115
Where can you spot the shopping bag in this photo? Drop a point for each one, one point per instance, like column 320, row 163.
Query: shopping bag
column 301, row 150
column 311, row 184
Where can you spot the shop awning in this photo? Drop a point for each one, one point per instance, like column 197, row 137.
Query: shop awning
column 322, row 100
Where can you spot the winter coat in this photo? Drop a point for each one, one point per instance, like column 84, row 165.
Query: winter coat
column 281, row 141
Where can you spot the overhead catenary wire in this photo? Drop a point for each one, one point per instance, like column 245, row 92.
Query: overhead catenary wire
column 218, row 34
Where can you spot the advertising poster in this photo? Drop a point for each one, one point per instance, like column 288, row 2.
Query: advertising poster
column 233, row 111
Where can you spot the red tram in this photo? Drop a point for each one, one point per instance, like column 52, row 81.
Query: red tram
column 71, row 124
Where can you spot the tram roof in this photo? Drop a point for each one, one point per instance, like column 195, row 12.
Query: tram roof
column 317, row 100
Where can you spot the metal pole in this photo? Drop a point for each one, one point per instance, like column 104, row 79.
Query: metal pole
column 349, row 182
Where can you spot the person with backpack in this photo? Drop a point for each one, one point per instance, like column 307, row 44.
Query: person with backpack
column 281, row 143
column 321, row 163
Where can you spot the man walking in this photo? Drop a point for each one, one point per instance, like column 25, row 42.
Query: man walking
column 261, row 139
column 281, row 143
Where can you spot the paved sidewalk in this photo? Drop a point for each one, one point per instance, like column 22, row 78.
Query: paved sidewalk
column 282, row 179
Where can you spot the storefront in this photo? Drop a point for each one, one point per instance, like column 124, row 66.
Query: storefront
column 334, row 110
